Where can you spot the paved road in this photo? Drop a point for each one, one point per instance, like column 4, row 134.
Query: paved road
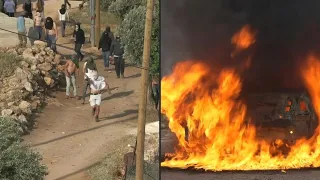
column 258, row 175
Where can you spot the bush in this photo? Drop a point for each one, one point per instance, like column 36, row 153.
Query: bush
column 131, row 31
column 16, row 160
column 121, row 7
column 8, row 64
column 105, row 4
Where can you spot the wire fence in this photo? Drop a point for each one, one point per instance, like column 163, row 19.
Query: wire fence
column 95, row 57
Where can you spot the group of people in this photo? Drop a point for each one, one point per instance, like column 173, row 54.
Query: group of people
column 92, row 81
column 112, row 49
column 9, row 7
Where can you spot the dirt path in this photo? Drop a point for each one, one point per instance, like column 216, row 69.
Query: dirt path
column 67, row 136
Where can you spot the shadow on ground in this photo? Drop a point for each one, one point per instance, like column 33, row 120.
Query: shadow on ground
column 83, row 131
column 125, row 113
column 118, row 95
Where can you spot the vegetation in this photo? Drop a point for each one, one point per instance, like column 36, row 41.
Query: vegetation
column 8, row 64
column 122, row 7
column 131, row 31
column 17, row 161
column 83, row 17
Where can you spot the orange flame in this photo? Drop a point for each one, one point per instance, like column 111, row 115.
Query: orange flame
column 243, row 39
column 219, row 137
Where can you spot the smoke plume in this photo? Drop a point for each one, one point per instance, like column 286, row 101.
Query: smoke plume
column 287, row 31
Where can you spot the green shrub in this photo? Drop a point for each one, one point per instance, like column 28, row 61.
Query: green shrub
column 131, row 31
column 105, row 4
column 17, row 161
column 121, row 7
column 8, row 64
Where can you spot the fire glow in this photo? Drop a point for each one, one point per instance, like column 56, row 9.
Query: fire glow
column 218, row 136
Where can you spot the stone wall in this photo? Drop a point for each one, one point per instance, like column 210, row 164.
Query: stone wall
column 25, row 91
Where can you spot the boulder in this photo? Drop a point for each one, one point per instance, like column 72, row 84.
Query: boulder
column 25, row 107
column 28, row 54
column 6, row 112
column 28, row 86
column 57, row 59
column 45, row 67
column 16, row 109
column 40, row 44
column 22, row 119
column 49, row 81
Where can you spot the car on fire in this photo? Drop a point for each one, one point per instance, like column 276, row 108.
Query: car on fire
column 287, row 117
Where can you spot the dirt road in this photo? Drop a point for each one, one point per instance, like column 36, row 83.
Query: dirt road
column 67, row 136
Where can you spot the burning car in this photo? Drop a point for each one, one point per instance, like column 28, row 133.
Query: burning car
column 283, row 119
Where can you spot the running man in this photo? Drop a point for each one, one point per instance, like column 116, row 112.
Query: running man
column 88, row 67
column 97, row 84
column 71, row 69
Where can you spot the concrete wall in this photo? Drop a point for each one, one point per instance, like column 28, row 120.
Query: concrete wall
column 10, row 23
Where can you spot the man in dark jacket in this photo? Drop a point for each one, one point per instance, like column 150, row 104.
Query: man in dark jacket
column 79, row 40
column 105, row 44
column 27, row 7
column 117, row 51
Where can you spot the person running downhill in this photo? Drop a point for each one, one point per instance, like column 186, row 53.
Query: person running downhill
column 79, row 40
column 88, row 67
column 105, row 44
column 63, row 16
column 71, row 69
column 97, row 84
column 117, row 51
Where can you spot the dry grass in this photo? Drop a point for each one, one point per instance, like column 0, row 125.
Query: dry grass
column 110, row 166
column 84, row 18
column 8, row 64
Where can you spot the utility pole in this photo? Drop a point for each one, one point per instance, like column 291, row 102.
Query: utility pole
column 92, row 16
column 144, row 91
column 97, row 33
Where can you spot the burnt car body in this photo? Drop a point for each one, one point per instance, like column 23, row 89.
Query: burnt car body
column 285, row 117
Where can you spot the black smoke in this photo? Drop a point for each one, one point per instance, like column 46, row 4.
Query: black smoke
column 287, row 31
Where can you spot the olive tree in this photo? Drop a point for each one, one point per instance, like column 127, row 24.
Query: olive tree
column 131, row 31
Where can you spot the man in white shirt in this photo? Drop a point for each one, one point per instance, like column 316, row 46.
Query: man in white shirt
column 63, row 17
column 97, row 84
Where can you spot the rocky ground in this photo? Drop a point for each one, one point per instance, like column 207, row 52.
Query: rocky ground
column 23, row 93
column 64, row 132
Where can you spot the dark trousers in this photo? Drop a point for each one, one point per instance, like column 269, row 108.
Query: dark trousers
column 63, row 28
column 29, row 15
column 39, row 31
column 77, row 49
column 156, row 93
column 119, row 65
column 86, row 85
column 10, row 14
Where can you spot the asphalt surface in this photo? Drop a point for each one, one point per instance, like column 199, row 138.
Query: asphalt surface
column 169, row 174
